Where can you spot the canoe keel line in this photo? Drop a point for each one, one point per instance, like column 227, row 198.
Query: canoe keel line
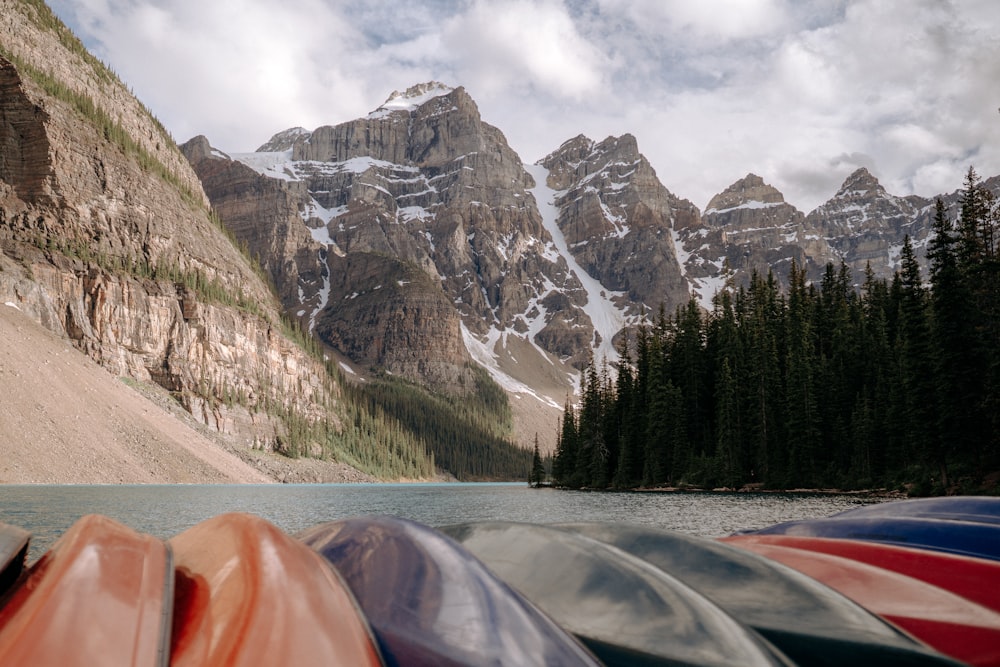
column 909, row 583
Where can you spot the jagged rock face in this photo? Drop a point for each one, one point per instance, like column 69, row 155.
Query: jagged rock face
column 24, row 145
column 618, row 219
column 21, row 34
column 424, row 181
column 267, row 222
column 387, row 313
column 864, row 224
column 96, row 243
column 749, row 227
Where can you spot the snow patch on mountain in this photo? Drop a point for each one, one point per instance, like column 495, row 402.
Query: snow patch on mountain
column 606, row 317
column 751, row 205
column 704, row 288
column 482, row 351
column 273, row 164
column 412, row 99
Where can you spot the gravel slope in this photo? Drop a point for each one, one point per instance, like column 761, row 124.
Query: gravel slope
column 65, row 420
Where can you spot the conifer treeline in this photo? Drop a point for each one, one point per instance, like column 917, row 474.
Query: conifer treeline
column 467, row 437
column 814, row 387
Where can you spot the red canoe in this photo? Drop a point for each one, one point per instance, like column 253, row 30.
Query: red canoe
column 976, row 579
column 248, row 594
column 924, row 605
column 101, row 596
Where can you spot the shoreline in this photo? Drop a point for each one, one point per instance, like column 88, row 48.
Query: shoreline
column 861, row 493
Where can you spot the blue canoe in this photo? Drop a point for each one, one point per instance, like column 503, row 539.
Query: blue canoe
column 973, row 509
column 624, row 609
column 965, row 538
column 430, row 603
column 13, row 553
column 809, row 622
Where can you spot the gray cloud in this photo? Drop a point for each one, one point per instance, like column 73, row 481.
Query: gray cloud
column 799, row 92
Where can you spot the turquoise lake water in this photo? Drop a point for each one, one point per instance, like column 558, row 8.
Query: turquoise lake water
column 164, row 511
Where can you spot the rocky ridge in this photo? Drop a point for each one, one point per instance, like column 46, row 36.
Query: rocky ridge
column 105, row 239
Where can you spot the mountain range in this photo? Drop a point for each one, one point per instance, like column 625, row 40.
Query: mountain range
column 413, row 244
column 414, row 240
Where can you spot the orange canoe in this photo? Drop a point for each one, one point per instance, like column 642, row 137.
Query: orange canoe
column 101, row 596
column 953, row 624
column 248, row 594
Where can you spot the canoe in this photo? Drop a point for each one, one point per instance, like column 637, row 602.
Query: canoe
column 248, row 594
column 809, row 622
column 975, row 579
column 102, row 595
column 942, row 619
column 13, row 552
column 965, row 538
column 976, row 509
column 624, row 609
column 431, row 603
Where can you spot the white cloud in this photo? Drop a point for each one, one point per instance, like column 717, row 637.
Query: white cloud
column 705, row 19
column 519, row 44
column 788, row 89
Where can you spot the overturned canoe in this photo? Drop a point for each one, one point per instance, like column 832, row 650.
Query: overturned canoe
column 432, row 604
column 944, row 620
column 965, row 538
column 975, row 509
column 248, row 594
column 810, row 623
column 102, row 595
column 624, row 609
column 13, row 552
column 976, row 579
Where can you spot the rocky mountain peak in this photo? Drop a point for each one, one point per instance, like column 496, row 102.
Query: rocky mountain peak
column 414, row 96
column 617, row 218
column 749, row 227
column 284, row 140
column 860, row 184
column 580, row 157
column 865, row 225
column 348, row 214
column 749, row 190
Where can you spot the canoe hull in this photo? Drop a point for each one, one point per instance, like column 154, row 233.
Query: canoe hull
column 248, row 594
column 431, row 603
column 102, row 595
column 941, row 618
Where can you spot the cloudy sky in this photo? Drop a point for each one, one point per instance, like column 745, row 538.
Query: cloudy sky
column 800, row 92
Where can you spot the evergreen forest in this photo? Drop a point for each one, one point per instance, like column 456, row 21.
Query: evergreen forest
column 893, row 385
column 465, row 436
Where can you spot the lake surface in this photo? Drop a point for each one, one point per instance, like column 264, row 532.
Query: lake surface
column 164, row 511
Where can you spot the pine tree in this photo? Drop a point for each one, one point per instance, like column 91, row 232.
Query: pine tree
column 761, row 330
column 801, row 416
column 537, row 475
column 627, row 471
column 917, row 364
column 564, row 462
column 957, row 365
column 727, row 427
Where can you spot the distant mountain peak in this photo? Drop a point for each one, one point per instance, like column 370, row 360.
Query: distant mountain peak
column 414, row 96
column 860, row 181
column 284, row 140
column 749, row 191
